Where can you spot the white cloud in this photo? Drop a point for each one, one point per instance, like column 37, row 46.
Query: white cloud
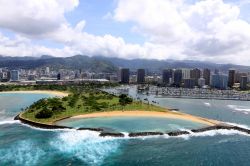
column 206, row 30
column 160, row 19
column 21, row 46
column 34, row 17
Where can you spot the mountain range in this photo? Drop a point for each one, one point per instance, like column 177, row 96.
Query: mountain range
column 107, row 64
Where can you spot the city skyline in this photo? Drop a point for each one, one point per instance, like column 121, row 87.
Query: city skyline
column 210, row 30
column 169, row 77
column 124, row 82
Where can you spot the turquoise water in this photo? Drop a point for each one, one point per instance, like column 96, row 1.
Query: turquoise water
column 223, row 110
column 21, row 145
column 11, row 104
column 227, row 111
column 132, row 124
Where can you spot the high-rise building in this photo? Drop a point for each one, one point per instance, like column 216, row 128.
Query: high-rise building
column 219, row 81
column 195, row 74
column 185, row 73
column 47, row 71
column 243, row 83
column 238, row 76
column 1, row 76
column 14, row 75
column 201, row 82
column 7, row 76
column 216, row 71
column 59, row 76
column 248, row 76
column 177, row 77
column 189, row 83
column 231, row 77
column 167, row 75
column 141, row 76
column 124, row 76
column 206, row 76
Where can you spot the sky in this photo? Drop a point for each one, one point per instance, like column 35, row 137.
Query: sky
column 204, row 30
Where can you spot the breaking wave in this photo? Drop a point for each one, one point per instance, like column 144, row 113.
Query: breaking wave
column 86, row 146
column 21, row 153
column 9, row 122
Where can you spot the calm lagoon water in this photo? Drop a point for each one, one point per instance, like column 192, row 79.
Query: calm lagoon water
column 23, row 145
column 132, row 124
column 223, row 110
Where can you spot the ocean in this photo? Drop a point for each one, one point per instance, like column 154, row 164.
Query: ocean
column 24, row 145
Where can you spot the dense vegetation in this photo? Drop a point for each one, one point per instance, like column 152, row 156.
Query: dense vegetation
column 77, row 62
column 70, row 88
column 82, row 101
column 108, row 64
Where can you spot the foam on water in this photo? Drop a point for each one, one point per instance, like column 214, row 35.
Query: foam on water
column 86, row 145
column 9, row 122
column 239, row 108
column 22, row 153
column 210, row 133
column 207, row 104
column 218, row 132
column 3, row 111
column 41, row 129
column 239, row 125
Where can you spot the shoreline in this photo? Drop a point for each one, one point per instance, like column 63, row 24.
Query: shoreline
column 167, row 114
column 49, row 92
column 102, row 133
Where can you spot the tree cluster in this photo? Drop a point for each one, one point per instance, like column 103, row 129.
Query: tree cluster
column 47, row 107
column 124, row 100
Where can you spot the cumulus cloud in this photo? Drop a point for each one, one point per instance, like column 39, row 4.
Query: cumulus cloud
column 174, row 29
column 21, row 46
column 205, row 29
column 34, row 17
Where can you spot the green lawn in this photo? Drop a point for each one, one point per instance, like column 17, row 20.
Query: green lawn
column 83, row 103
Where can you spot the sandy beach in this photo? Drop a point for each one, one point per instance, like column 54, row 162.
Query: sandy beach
column 167, row 114
column 56, row 93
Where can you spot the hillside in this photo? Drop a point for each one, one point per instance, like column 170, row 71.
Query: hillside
column 107, row 64
column 74, row 62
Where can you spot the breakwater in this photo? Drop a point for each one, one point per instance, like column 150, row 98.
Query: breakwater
column 180, row 132
column 39, row 125
column 137, row 134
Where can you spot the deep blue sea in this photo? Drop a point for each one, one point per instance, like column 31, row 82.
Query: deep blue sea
column 21, row 145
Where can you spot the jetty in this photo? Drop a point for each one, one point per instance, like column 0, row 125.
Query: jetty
column 222, row 126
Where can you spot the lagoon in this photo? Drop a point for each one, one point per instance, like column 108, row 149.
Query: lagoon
column 24, row 145
column 132, row 124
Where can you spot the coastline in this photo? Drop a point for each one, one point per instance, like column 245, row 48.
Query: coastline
column 102, row 133
column 167, row 114
column 49, row 92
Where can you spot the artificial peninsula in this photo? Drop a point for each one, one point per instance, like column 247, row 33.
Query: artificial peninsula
column 90, row 101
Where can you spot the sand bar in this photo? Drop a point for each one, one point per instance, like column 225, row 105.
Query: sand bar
column 56, row 93
column 167, row 114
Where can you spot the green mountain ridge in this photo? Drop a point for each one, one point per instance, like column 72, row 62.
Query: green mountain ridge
column 75, row 63
column 108, row 64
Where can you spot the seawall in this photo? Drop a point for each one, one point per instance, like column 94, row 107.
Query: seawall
column 40, row 125
column 136, row 134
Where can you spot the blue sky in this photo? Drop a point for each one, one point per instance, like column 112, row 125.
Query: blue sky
column 208, row 30
column 94, row 12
